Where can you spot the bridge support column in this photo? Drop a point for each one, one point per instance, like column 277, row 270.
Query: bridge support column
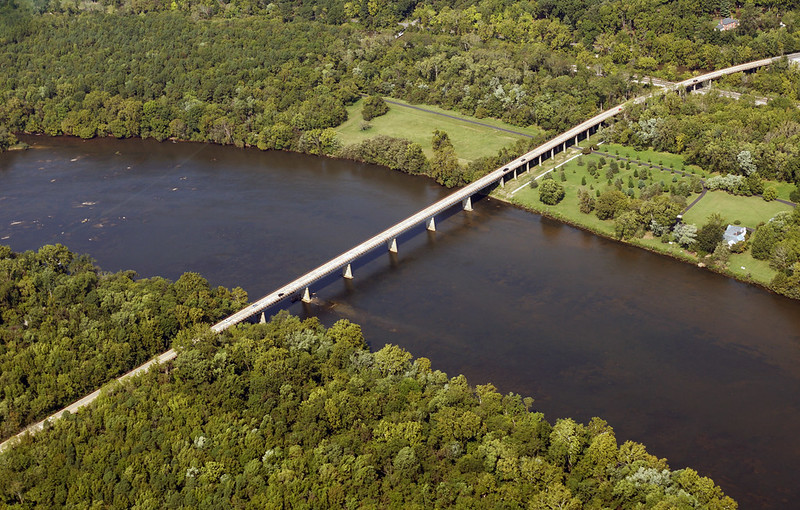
column 502, row 181
column 540, row 160
column 466, row 204
column 263, row 319
column 431, row 224
column 552, row 152
column 515, row 174
column 393, row 245
column 576, row 139
column 564, row 148
column 348, row 272
column 306, row 296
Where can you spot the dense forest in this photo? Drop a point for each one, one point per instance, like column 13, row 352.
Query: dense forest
column 66, row 327
column 723, row 135
column 278, row 75
column 290, row 415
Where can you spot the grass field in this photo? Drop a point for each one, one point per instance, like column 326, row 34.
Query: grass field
column 471, row 141
column 745, row 266
column 750, row 211
column 650, row 156
column 574, row 173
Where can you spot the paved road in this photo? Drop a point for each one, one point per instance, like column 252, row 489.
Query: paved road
column 91, row 397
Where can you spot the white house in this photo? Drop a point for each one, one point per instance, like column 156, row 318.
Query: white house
column 734, row 234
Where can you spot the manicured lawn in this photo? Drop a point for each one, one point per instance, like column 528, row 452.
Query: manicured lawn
column 471, row 141
column 574, row 173
column 650, row 156
column 784, row 188
column 750, row 211
column 744, row 265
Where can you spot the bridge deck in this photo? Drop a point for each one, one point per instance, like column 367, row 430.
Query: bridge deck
column 338, row 263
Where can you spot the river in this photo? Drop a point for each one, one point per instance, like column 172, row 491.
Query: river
column 702, row 369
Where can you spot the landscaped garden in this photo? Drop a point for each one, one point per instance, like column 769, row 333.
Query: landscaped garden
column 636, row 196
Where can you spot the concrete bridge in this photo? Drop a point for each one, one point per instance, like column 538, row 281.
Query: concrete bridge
column 302, row 286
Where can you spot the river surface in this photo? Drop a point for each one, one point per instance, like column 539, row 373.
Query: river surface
column 703, row 370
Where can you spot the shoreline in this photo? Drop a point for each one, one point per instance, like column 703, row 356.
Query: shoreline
column 688, row 259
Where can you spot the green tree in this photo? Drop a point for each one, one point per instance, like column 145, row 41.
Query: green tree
column 710, row 234
column 551, row 192
column 610, row 203
column 374, row 106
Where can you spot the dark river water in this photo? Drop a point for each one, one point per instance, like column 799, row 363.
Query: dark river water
column 703, row 370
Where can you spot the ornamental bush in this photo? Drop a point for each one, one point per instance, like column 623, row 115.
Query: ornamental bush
column 551, row 192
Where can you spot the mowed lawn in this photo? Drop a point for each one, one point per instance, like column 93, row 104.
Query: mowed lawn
column 750, row 211
column 574, row 173
column 650, row 156
column 470, row 141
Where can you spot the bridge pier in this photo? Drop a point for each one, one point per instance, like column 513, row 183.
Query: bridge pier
column 306, row 296
column 263, row 319
column 502, row 181
column 393, row 245
column 347, row 272
column 466, row 204
column 431, row 224
column 515, row 174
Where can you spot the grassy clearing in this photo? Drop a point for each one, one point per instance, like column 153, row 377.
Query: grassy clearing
column 784, row 188
column 666, row 159
column 750, row 211
column 575, row 173
column 471, row 141
column 744, row 266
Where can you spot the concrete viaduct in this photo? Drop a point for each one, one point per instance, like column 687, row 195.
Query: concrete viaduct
column 301, row 287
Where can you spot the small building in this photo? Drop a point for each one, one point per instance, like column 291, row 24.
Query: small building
column 727, row 24
column 734, row 234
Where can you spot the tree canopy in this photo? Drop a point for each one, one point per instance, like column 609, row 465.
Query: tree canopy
column 66, row 327
column 289, row 414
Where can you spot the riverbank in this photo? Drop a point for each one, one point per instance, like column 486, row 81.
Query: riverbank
column 571, row 174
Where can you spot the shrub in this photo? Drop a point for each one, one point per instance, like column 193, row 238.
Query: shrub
column 374, row 106
column 794, row 196
column 551, row 192
column 770, row 194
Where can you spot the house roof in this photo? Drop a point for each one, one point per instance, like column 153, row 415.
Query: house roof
column 734, row 234
column 727, row 21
